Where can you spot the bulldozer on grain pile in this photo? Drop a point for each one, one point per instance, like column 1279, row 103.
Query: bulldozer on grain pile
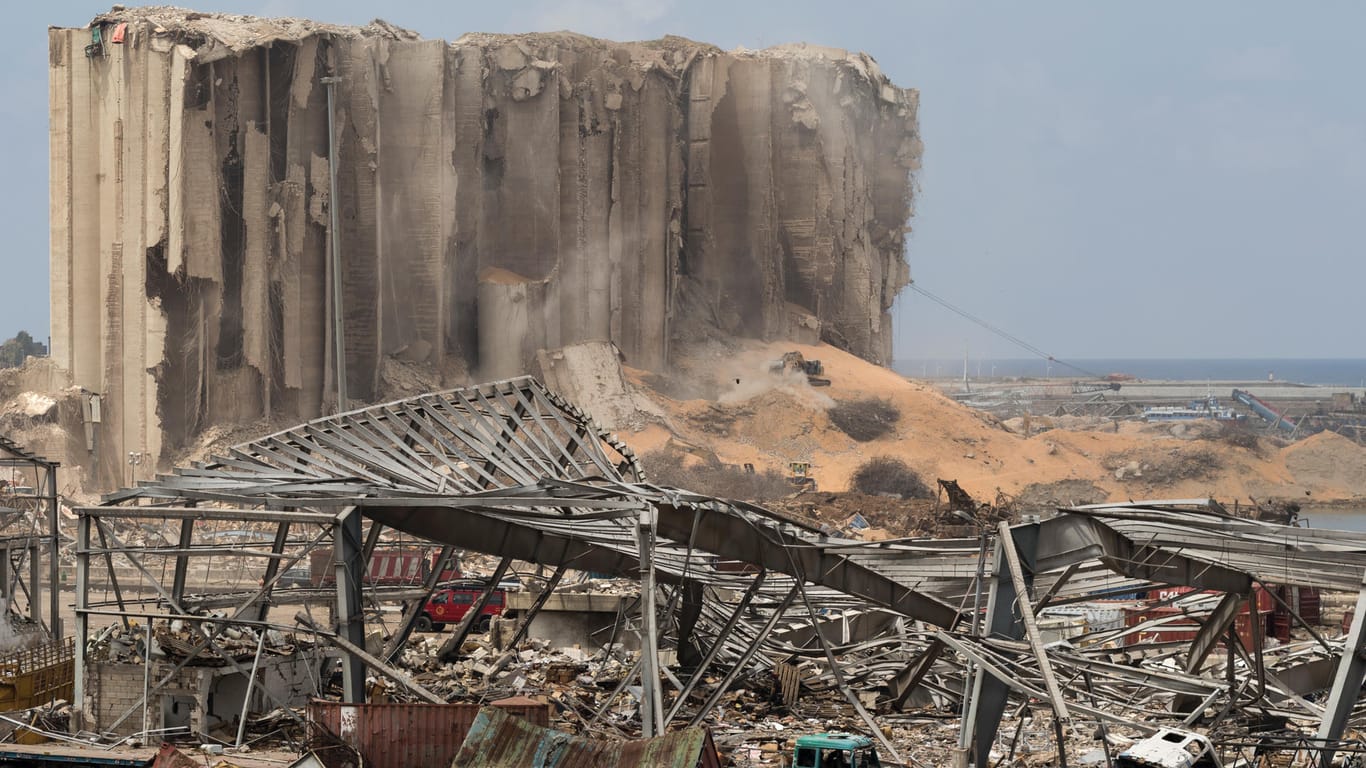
column 800, row 476
column 795, row 361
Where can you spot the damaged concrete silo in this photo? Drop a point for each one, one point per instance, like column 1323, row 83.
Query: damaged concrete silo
column 496, row 195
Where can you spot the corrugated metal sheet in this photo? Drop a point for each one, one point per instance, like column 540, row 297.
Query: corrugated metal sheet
column 412, row 735
column 498, row 740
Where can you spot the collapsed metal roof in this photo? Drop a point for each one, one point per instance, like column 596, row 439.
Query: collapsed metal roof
column 513, row 470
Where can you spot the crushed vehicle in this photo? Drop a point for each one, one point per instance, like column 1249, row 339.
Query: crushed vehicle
column 1170, row 748
column 835, row 750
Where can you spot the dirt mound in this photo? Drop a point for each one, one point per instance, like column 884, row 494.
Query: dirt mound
column 1041, row 497
column 217, row 439
column 1327, row 464
column 1160, row 467
column 727, row 403
column 674, row 465
column 772, row 420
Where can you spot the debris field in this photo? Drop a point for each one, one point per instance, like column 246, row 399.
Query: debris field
column 335, row 232
column 1038, row 641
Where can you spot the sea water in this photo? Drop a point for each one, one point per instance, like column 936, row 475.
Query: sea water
column 1336, row 518
column 1341, row 372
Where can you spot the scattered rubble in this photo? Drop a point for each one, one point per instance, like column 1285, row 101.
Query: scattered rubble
column 1018, row 639
column 1025, row 630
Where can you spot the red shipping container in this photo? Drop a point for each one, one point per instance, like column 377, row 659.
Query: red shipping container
column 1245, row 632
column 412, row 735
column 1265, row 602
column 1184, row 629
column 1167, row 593
column 1303, row 601
column 1176, row 630
column 1309, row 605
column 388, row 566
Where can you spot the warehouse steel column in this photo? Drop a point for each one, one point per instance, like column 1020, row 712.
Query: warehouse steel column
column 1351, row 673
column 49, row 492
column 350, row 565
column 78, row 713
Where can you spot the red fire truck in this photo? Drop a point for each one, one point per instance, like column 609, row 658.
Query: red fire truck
column 450, row 604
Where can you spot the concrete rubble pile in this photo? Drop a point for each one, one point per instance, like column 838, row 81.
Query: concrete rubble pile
column 496, row 196
column 575, row 680
column 53, row 717
column 755, row 722
column 175, row 641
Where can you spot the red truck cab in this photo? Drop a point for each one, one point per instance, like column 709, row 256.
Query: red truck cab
column 448, row 605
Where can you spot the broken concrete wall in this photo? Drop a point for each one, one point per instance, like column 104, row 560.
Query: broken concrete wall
column 114, row 690
column 496, row 196
column 582, row 620
column 202, row 699
column 590, row 376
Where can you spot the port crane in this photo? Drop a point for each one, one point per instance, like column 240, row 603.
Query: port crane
column 1274, row 418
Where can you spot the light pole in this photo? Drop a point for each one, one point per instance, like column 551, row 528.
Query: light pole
column 134, row 461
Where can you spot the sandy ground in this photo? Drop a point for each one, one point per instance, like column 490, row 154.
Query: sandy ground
column 724, row 400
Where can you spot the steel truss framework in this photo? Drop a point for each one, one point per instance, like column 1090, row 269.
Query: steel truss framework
column 506, row 468
column 30, row 533
column 1192, row 543
column 513, row 470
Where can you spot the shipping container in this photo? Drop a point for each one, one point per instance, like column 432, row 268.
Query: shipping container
column 1053, row 629
column 412, row 735
column 389, row 566
column 1184, row 629
column 1303, row 601
column 1308, row 604
column 1265, row 602
column 1100, row 615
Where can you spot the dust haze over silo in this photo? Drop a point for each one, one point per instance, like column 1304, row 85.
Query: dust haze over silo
column 497, row 195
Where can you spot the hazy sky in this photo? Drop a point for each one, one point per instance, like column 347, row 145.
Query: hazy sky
column 1100, row 179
